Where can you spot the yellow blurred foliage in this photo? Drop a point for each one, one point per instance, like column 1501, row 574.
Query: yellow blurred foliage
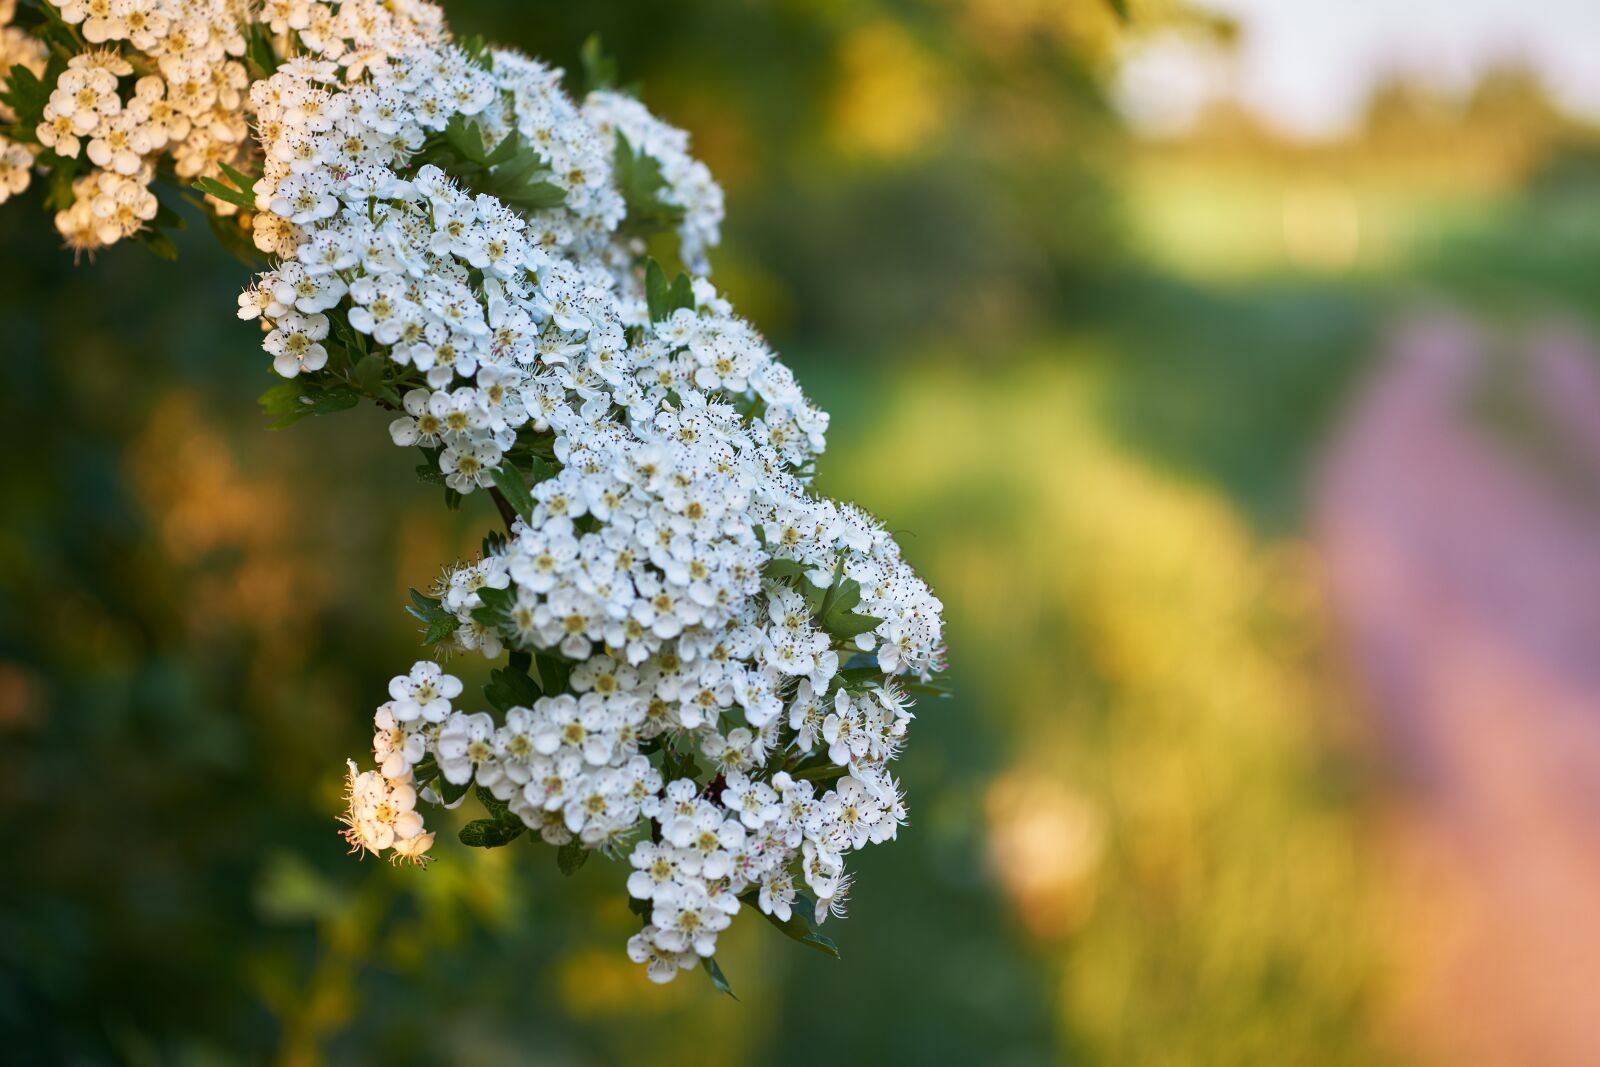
column 1173, row 832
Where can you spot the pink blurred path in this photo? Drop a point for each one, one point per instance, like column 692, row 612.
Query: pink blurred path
column 1463, row 552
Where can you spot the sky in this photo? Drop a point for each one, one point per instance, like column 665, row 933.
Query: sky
column 1307, row 65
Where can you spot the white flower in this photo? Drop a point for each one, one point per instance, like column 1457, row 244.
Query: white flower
column 380, row 815
column 424, row 694
column 295, row 344
column 663, row 965
column 465, row 743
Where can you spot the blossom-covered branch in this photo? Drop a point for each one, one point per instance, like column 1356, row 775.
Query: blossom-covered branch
column 708, row 668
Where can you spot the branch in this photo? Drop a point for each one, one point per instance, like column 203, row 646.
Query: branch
column 508, row 514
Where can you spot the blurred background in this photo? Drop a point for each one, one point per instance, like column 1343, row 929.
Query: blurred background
column 1227, row 368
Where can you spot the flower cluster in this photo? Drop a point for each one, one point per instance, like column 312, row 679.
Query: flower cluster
column 17, row 49
column 155, row 78
column 688, row 182
column 708, row 666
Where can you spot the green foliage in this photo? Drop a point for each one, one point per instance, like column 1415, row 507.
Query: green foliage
column 718, row 979
column 490, row 833
column 664, row 299
column 236, row 190
column 552, row 672
column 639, row 178
column 511, row 170
column 514, row 487
column 570, row 857
column 599, row 69
column 259, row 58
column 297, row 398
column 26, row 94
column 371, row 374
column 833, row 606
column 798, row 927
column 510, row 688
column 431, row 613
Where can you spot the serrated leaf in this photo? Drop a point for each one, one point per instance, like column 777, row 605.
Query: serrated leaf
column 431, row 612
column 369, row 371
column 570, row 857
column 718, row 979
column 26, row 95
column 490, row 833
column 514, row 487
column 509, row 689
column 641, row 183
column 496, row 807
column 664, row 299
column 466, row 137
column 798, row 926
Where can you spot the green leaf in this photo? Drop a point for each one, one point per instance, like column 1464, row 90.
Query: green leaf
column 451, row 791
column 718, row 979
column 928, row 689
column 509, row 689
column 677, row 764
column 58, row 195
column 852, row 677
column 641, row 183
column 495, row 611
column 425, row 771
column 231, row 236
column 494, row 805
column 798, row 927
column 553, row 673
column 489, row 833
column 599, row 69
column 466, row 137
column 682, row 295
column 783, row 569
column 369, row 371
column 26, row 95
column 514, row 487
column 238, row 197
column 850, row 625
column 297, row 398
column 664, row 299
column 656, row 290
column 259, row 58
column 571, row 856
column 239, row 178
column 431, row 612
column 158, row 242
